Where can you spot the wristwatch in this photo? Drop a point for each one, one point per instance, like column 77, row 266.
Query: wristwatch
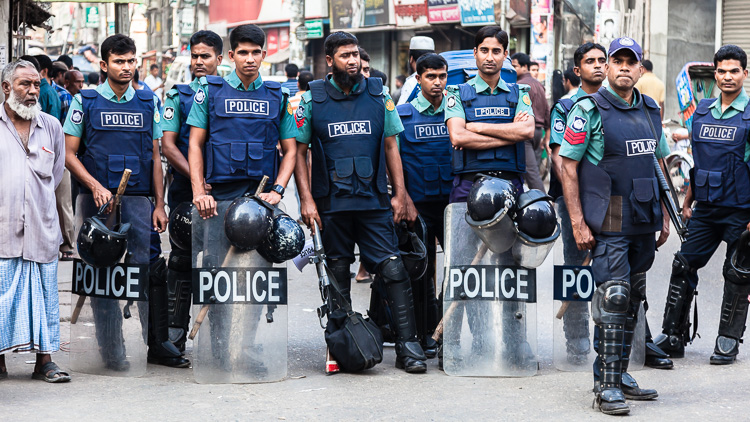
column 278, row 189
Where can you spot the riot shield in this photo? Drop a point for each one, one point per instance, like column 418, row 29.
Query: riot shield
column 573, row 288
column 489, row 306
column 243, row 299
column 109, row 318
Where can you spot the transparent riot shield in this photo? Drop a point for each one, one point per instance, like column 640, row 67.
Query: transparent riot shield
column 109, row 318
column 240, row 300
column 489, row 320
column 573, row 288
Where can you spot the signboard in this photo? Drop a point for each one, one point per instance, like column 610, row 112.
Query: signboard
column 314, row 29
column 92, row 17
column 477, row 12
column 348, row 14
column 443, row 11
column 186, row 21
column 272, row 41
column 410, row 12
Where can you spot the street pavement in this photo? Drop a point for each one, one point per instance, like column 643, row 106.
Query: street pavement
column 693, row 390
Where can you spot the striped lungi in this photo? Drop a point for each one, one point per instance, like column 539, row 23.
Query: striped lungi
column 29, row 308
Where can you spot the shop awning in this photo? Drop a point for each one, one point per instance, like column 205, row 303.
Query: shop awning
column 278, row 57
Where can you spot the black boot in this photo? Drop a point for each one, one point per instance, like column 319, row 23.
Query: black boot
column 160, row 350
column 409, row 354
column 734, row 309
column 629, row 386
column 676, row 326
column 655, row 357
column 378, row 311
column 426, row 313
column 610, row 308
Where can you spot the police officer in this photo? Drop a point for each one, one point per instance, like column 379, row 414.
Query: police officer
column 426, row 157
column 351, row 124
column 488, row 122
column 240, row 112
column 418, row 46
column 97, row 153
column 205, row 57
column 721, row 192
column 590, row 65
column 613, row 134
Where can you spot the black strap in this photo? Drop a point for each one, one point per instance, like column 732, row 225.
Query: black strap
column 343, row 303
column 695, row 318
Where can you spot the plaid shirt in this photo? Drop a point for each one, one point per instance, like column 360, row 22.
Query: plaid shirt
column 65, row 99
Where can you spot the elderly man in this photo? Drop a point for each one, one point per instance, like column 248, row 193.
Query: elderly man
column 32, row 156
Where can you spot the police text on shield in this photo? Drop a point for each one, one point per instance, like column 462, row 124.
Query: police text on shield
column 240, row 286
column 122, row 281
column 492, row 282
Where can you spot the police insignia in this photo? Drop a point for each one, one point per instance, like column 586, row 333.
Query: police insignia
column 300, row 112
column 626, row 41
column 169, row 113
column 558, row 127
column 451, row 102
column 157, row 116
column 200, row 96
column 526, row 100
column 389, row 105
column 289, row 108
column 77, row 117
column 578, row 124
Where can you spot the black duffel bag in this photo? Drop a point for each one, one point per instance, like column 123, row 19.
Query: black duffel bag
column 355, row 342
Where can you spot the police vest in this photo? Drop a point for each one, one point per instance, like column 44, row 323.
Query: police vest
column 500, row 108
column 629, row 147
column 186, row 103
column 243, row 132
column 721, row 174
column 348, row 169
column 119, row 136
column 555, row 187
column 425, row 155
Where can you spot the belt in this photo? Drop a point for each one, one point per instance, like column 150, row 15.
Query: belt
column 507, row 175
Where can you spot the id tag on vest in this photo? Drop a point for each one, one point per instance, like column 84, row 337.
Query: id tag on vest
column 246, row 106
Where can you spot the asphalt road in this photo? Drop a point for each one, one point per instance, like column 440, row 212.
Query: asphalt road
column 693, row 390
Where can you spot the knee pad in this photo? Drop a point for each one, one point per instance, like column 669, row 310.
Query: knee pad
column 638, row 287
column 610, row 302
column 681, row 267
column 158, row 273
column 180, row 261
column 393, row 271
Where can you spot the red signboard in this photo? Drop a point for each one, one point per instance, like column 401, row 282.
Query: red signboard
column 283, row 38
column 272, row 40
column 443, row 11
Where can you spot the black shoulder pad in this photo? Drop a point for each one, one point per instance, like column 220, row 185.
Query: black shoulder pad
column 375, row 86
column 704, row 106
column 145, row 95
column 649, row 102
column 467, row 92
column 272, row 84
column 405, row 110
column 89, row 93
column 318, row 90
column 599, row 100
column 184, row 89
column 214, row 79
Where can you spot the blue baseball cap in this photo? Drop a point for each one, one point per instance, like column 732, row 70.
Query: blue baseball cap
column 626, row 43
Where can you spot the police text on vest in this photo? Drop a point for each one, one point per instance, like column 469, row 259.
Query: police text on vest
column 361, row 127
column 246, row 106
column 492, row 282
column 430, row 131
column 718, row 133
column 492, row 112
column 640, row 146
column 120, row 119
column 240, row 286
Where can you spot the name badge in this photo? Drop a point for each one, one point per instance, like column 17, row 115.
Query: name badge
column 121, row 119
column 361, row 127
column 246, row 106
column 427, row 131
column 492, row 282
column 249, row 286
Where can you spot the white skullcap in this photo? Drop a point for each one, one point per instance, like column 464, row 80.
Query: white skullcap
column 422, row 43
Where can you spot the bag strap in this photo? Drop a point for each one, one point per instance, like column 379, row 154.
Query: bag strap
column 343, row 303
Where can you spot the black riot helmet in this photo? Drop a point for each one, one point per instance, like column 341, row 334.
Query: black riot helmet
column 285, row 241
column 741, row 256
column 100, row 246
column 489, row 196
column 535, row 215
column 412, row 248
column 181, row 226
column 247, row 222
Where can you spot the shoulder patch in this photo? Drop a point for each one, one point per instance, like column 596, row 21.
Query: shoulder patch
column 77, row 117
column 168, row 113
column 578, row 123
column 157, row 116
column 200, row 96
column 171, row 94
column 389, row 105
column 300, row 112
column 451, row 88
column 558, row 126
column 526, row 100
column 450, row 102
column 289, row 108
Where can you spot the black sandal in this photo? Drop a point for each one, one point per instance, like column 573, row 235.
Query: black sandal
column 51, row 373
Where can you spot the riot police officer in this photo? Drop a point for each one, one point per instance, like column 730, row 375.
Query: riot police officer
column 350, row 122
column 205, row 56
column 107, row 130
column 239, row 120
column 721, row 193
column 613, row 135
column 590, row 65
column 426, row 157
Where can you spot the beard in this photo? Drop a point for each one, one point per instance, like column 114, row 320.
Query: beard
column 23, row 111
column 344, row 80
